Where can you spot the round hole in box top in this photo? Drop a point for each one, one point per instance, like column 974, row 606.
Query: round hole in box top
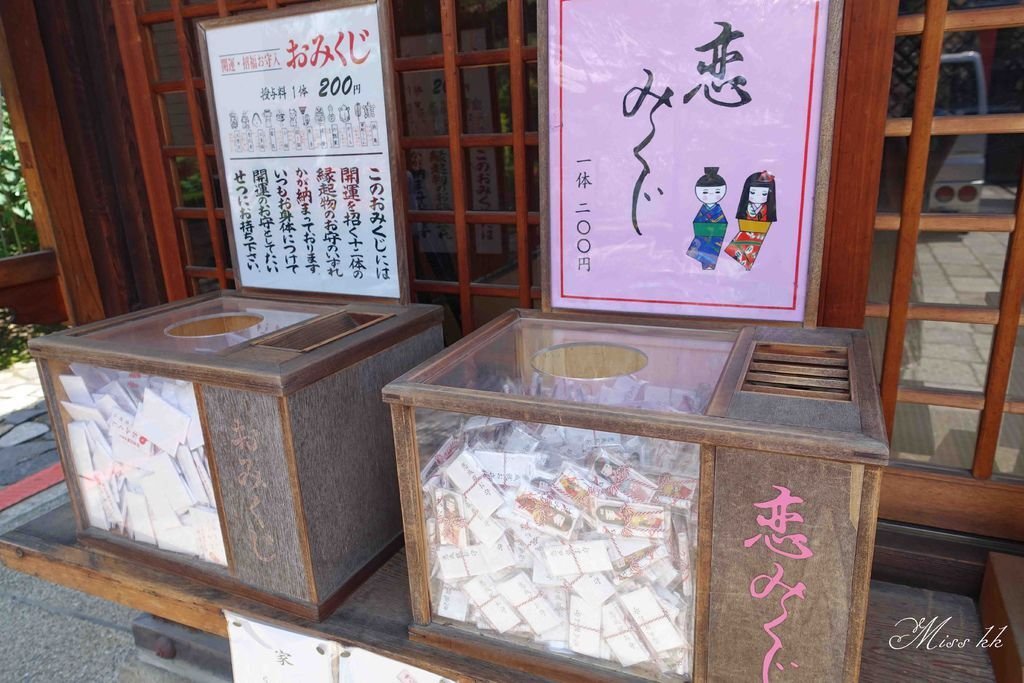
column 213, row 325
column 589, row 360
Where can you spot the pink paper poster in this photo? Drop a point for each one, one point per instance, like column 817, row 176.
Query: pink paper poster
column 683, row 148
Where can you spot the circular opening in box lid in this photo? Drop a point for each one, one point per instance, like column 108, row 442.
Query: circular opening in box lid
column 214, row 325
column 589, row 360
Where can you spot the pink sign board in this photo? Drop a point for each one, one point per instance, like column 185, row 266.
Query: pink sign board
column 683, row 142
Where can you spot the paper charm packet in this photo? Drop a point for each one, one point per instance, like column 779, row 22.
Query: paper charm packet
column 547, row 514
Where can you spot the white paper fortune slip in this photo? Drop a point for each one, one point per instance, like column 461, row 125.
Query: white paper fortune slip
column 74, row 387
column 498, row 612
column 469, row 478
column 579, row 557
column 531, row 604
column 85, row 413
column 584, row 627
column 485, row 530
column 461, row 563
column 594, row 588
column 453, row 603
column 621, row 637
column 161, row 423
column 510, row 470
column 653, row 620
column 264, row 653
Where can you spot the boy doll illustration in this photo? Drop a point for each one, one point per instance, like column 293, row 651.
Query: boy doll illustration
column 756, row 213
column 710, row 223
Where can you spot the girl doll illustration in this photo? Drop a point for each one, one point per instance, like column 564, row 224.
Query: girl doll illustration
column 710, row 222
column 756, row 213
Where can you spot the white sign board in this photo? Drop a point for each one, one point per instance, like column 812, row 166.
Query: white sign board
column 299, row 102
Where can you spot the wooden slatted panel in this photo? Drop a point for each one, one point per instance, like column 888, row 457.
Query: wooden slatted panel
column 821, row 372
column 993, row 402
column 913, row 198
column 159, row 154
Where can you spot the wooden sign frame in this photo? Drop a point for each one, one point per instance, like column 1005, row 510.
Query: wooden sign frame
column 387, row 46
column 834, row 24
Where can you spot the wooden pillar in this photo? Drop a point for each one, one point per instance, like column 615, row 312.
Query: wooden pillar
column 28, row 92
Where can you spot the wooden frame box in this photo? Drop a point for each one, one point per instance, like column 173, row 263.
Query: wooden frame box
column 238, row 439
column 676, row 504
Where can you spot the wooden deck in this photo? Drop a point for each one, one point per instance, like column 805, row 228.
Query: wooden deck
column 377, row 614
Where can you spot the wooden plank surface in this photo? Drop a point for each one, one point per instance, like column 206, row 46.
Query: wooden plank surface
column 377, row 614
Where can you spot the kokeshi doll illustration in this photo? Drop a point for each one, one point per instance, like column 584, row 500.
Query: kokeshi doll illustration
column 756, row 213
column 710, row 223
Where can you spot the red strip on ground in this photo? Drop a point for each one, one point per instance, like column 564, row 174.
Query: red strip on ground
column 31, row 485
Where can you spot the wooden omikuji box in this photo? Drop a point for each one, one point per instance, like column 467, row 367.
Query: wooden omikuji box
column 633, row 501
column 238, row 439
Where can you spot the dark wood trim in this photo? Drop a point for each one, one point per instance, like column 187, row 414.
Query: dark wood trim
column 957, row 503
column 29, row 93
column 147, row 135
column 934, row 559
column 868, row 31
column 91, row 97
column 870, row 482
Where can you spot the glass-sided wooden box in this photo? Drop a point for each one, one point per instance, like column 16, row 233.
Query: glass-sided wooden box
column 239, row 439
column 636, row 501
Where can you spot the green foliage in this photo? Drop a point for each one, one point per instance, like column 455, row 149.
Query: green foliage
column 17, row 229
column 14, row 339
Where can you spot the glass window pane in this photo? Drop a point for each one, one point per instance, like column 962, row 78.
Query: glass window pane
column 417, row 27
column 530, row 22
column 532, row 97
column 966, row 174
column 166, row 55
column 493, row 254
column 198, row 246
column 942, row 355
column 483, row 24
column 487, row 308
column 203, row 285
column 429, row 177
column 423, row 103
column 533, row 177
column 1015, row 390
column 486, row 99
column 1010, row 449
column 949, row 268
column 980, row 73
column 179, row 126
column 190, row 186
column 434, row 253
column 449, row 303
column 490, row 179
column 935, row 435
column 876, row 329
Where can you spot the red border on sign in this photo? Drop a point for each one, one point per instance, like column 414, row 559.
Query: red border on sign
column 561, row 189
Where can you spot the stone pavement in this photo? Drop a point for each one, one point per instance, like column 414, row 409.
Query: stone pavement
column 26, row 442
column 48, row 633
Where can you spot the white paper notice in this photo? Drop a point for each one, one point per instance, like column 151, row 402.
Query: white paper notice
column 264, row 653
column 303, row 132
column 360, row 666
